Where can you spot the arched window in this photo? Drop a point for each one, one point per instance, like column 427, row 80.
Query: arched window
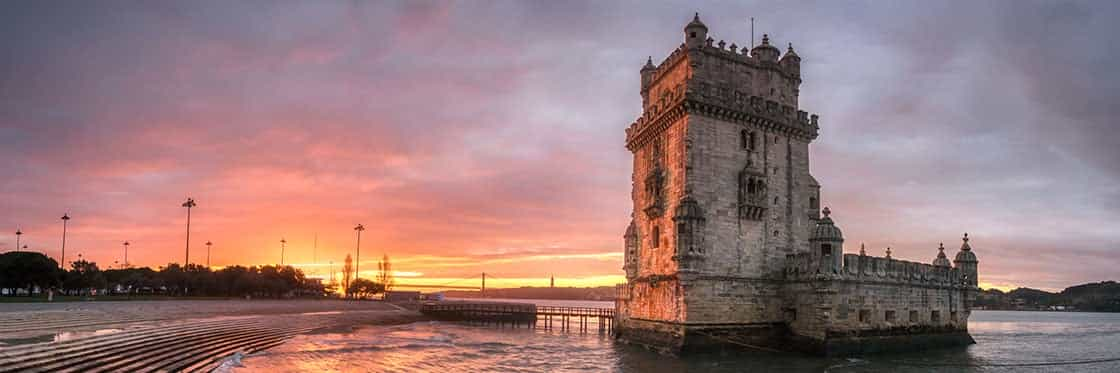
column 826, row 249
column 744, row 141
column 754, row 140
column 656, row 237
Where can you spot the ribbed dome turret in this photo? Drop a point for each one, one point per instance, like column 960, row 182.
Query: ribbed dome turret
column 966, row 254
column 695, row 32
column 765, row 51
column 649, row 64
column 696, row 24
column 790, row 54
column 941, row 260
column 825, row 229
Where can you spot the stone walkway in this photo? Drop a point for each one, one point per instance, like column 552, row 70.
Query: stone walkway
column 169, row 335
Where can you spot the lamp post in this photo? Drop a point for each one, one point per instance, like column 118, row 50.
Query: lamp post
column 358, row 251
column 18, row 233
column 65, row 218
column 282, row 243
column 126, row 254
column 188, row 204
column 208, row 243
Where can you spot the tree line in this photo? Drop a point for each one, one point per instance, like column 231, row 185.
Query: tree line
column 31, row 273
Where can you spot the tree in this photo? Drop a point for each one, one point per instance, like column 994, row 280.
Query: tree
column 347, row 274
column 84, row 276
column 28, row 270
column 362, row 288
column 385, row 273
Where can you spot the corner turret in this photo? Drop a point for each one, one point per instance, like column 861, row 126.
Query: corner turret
column 826, row 243
column 941, row 260
column 647, row 79
column 791, row 62
column 695, row 32
column 966, row 262
column 631, row 255
column 765, row 52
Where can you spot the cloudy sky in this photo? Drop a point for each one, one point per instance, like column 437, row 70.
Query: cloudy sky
column 488, row 136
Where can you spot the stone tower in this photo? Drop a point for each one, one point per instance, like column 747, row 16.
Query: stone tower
column 726, row 239
column 721, row 185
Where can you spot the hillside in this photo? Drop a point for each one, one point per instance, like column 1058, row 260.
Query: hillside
column 1091, row 297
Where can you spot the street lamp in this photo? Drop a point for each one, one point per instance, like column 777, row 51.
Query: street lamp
column 126, row 253
column 18, row 233
column 65, row 218
column 208, row 243
column 358, row 251
column 282, row 243
column 188, row 204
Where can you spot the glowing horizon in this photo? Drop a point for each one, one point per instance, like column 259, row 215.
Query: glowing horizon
column 489, row 137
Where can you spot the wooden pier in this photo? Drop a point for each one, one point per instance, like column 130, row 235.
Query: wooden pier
column 517, row 314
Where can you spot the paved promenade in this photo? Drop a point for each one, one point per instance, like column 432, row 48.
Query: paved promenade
column 141, row 336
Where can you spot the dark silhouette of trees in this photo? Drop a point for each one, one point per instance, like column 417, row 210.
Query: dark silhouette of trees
column 34, row 273
column 363, row 289
column 28, row 271
column 83, row 278
column 385, row 273
column 347, row 274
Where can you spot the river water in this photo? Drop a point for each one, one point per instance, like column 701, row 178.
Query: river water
column 1006, row 342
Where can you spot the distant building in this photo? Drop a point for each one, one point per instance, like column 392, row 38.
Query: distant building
column 728, row 240
column 397, row 296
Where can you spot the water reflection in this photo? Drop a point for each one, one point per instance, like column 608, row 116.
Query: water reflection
column 1004, row 339
column 66, row 336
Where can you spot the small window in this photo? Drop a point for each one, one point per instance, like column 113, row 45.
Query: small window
column 813, row 203
column 775, row 200
column 935, row 316
column 791, row 314
column 692, row 34
column 890, row 316
column 826, row 249
column 864, row 315
column 775, row 139
column 744, row 140
column 913, row 316
column 777, row 233
column 754, row 140
column 656, row 237
column 953, row 316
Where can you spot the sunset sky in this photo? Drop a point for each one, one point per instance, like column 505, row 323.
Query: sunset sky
column 475, row 137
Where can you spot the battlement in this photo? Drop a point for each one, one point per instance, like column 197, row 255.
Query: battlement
column 864, row 268
column 754, row 85
column 728, row 104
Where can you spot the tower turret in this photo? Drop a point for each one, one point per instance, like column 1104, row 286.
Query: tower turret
column 966, row 262
column 695, row 32
column 647, row 79
column 632, row 243
column 791, row 62
column 765, row 52
column 941, row 260
column 827, row 244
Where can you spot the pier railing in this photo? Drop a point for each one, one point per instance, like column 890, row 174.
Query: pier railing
column 517, row 314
